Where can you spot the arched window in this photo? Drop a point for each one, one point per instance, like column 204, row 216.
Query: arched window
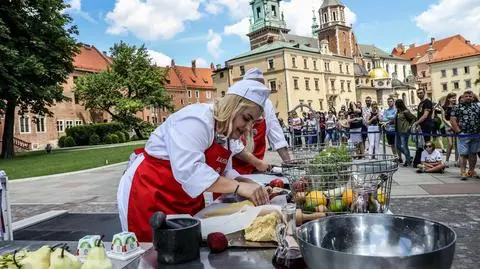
column 325, row 17
column 404, row 98
column 334, row 16
column 412, row 97
column 368, row 66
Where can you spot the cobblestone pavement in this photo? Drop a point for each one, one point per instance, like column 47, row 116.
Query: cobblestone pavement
column 460, row 213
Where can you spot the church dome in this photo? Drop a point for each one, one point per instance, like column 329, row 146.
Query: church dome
column 378, row 73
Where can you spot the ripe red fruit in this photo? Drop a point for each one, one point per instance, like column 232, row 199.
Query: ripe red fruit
column 217, row 242
column 276, row 183
column 300, row 185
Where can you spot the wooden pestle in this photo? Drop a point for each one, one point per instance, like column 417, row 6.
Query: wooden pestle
column 300, row 217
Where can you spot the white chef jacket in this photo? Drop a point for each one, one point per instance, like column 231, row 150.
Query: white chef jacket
column 183, row 139
column 274, row 131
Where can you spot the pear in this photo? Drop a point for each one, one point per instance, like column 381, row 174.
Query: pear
column 97, row 257
column 61, row 259
column 39, row 259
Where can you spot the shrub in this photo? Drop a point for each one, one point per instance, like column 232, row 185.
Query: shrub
column 61, row 141
column 69, row 142
column 146, row 128
column 82, row 133
column 94, row 139
column 121, row 136
column 127, row 136
column 111, row 139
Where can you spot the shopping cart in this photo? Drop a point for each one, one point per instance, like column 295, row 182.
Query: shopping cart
column 311, row 151
column 339, row 183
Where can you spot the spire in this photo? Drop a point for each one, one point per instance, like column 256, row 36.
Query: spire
column 314, row 24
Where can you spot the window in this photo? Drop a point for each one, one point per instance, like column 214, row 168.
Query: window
column 271, row 64
column 444, row 73
column 342, row 86
column 259, row 12
column 334, row 16
column 221, row 74
column 321, row 103
column 396, row 69
column 197, row 94
column 295, row 83
column 468, row 84
column 314, row 64
column 301, row 101
column 189, row 94
column 209, row 94
column 24, row 124
column 274, row 11
column 387, row 66
column 40, row 124
column 164, row 109
column 368, row 66
column 332, row 83
column 75, row 95
column 78, row 122
column 444, row 87
column 68, row 124
column 454, row 71
column 305, row 64
column 348, row 86
column 242, row 70
column 467, row 69
column 60, row 126
column 309, row 103
column 182, row 102
column 340, row 66
column 404, row 72
column 316, row 85
column 347, row 67
column 327, row 66
column 456, row 85
column 424, row 74
column 273, row 85
column 307, row 83
column 294, row 64
column 164, row 119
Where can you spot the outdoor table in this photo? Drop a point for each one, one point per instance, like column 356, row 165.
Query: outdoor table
column 235, row 258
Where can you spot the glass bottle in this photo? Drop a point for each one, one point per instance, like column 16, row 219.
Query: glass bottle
column 288, row 255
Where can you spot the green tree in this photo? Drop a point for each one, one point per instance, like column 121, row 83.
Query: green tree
column 36, row 52
column 132, row 84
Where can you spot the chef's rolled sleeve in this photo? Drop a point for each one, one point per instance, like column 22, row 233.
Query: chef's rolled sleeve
column 186, row 153
column 236, row 146
column 275, row 135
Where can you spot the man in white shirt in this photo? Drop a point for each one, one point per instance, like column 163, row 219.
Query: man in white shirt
column 431, row 160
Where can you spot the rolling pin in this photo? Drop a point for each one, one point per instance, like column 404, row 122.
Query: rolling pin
column 301, row 217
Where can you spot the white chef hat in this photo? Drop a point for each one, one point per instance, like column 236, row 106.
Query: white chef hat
column 253, row 73
column 251, row 90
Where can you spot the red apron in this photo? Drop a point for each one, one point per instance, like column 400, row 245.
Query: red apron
column 260, row 145
column 154, row 188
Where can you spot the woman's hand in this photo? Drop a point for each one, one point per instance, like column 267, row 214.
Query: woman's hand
column 254, row 192
column 262, row 166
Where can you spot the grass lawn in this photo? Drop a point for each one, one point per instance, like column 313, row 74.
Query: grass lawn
column 39, row 163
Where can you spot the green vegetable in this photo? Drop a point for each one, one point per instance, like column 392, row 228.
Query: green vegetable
column 309, row 206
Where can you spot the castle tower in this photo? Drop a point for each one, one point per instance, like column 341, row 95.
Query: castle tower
column 334, row 29
column 268, row 23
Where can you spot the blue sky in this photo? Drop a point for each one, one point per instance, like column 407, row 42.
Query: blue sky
column 213, row 30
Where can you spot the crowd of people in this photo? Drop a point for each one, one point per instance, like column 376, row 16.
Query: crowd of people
column 454, row 117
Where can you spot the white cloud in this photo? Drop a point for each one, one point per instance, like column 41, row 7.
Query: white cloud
column 76, row 9
column 237, row 8
column 202, row 62
column 298, row 15
column 159, row 58
column 240, row 29
column 213, row 44
column 152, row 19
column 449, row 17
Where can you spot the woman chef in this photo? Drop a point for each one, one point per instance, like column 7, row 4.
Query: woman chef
column 268, row 127
column 188, row 154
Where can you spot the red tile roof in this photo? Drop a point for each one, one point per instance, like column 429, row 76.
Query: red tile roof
column 171, row 79
column 90, row 59
column 445, row 49
column 200, row 78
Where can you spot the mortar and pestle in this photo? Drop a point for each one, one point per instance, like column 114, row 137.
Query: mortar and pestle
column 177, row 240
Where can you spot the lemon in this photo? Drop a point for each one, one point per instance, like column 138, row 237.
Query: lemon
column 337, row 206
column 316, row 196
column 347, row 197
column 380, row 197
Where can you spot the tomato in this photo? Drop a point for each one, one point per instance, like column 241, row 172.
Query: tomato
column 276, row 183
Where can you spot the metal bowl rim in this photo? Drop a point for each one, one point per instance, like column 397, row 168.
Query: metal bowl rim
column 388, row 215
column 196, row 223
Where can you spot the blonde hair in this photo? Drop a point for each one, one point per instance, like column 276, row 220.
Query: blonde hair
column 225, row 111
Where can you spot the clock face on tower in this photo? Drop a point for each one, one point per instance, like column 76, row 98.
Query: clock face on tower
column 380, row 83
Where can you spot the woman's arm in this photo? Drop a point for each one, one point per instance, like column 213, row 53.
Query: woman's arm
column 248, row 157
column 252, row 191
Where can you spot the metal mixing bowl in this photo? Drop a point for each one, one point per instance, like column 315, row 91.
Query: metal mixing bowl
column 376, row 241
